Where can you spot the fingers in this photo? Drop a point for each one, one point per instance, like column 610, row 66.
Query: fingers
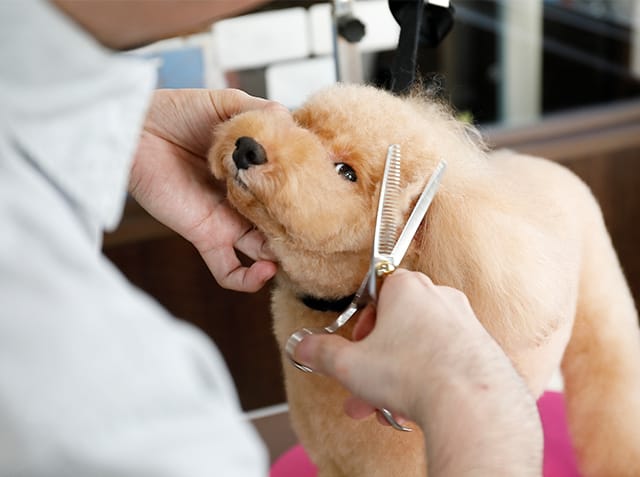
column 254, row 246
column 419, row 296
column 405, row 281
column 186, row 117
column 219, row 235
column 336, row 357
column 232, row 275
column 357, row 408
column 328, row 355
column 402, row 279
column 229, row 102
column 172, row 182
column 364, row 325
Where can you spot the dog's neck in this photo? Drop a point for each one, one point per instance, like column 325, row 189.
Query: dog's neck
column 327, row 304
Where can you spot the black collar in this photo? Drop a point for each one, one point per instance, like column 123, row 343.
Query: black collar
column 326, row 304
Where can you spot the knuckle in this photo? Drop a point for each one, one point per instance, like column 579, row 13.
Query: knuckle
column 461, row 298
column 457, row 299
column 238, row 93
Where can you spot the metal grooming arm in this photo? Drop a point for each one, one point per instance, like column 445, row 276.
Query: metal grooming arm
column 347, row 32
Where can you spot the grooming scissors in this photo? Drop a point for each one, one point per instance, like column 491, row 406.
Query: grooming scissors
column 387, row 252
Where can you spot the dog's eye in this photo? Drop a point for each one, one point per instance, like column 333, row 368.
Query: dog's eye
column 346, row 171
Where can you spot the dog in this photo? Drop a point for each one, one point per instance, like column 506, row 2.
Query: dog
column 521, row 236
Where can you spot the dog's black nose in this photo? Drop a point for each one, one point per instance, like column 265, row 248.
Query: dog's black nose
column 248, row 153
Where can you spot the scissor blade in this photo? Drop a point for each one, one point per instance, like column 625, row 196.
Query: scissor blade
column 418, row 213
column 388, row 204
column 385, row 234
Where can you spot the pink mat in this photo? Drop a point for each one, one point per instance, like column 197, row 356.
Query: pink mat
column 559, row 460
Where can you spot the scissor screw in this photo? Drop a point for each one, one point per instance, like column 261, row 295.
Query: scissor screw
column 384, row 268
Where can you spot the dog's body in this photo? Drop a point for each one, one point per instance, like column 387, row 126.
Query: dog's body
column 522, row 237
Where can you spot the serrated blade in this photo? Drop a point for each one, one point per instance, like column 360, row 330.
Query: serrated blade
column 387, row 219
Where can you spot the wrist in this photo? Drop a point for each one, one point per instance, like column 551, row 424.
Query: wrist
column 483, row 426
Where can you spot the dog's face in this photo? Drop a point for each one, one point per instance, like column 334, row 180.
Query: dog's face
column 311, row 182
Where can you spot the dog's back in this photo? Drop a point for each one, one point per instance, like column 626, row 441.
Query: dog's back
column 542, row 267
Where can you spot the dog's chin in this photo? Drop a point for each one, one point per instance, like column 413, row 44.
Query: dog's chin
column 238, row 182
column 239, row 186
column 248, row 203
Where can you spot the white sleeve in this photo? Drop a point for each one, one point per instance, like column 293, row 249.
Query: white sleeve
column 96, row 379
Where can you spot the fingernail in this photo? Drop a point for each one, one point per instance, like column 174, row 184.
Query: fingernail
column 403, row 421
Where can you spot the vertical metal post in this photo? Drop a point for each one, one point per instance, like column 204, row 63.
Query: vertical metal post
column 347, row 32
column 521, row 61
column 635, row 39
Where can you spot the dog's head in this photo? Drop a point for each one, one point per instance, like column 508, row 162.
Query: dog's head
column 310, row 182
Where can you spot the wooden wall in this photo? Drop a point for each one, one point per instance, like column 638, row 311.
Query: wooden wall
column 602, row 145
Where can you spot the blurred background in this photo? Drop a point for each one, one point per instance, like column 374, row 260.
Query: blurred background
column 555, row 78
column 503, row 62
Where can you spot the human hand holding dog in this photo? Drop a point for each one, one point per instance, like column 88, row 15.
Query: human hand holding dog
column 426, row 356
column 171, row 180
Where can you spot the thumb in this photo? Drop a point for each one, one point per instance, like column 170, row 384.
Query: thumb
column 330, row 355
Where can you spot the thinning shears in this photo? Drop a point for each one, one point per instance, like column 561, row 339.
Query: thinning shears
column 388, row 251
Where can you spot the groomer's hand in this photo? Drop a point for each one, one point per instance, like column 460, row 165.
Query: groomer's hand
column 424, row 355
column 171, row 180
